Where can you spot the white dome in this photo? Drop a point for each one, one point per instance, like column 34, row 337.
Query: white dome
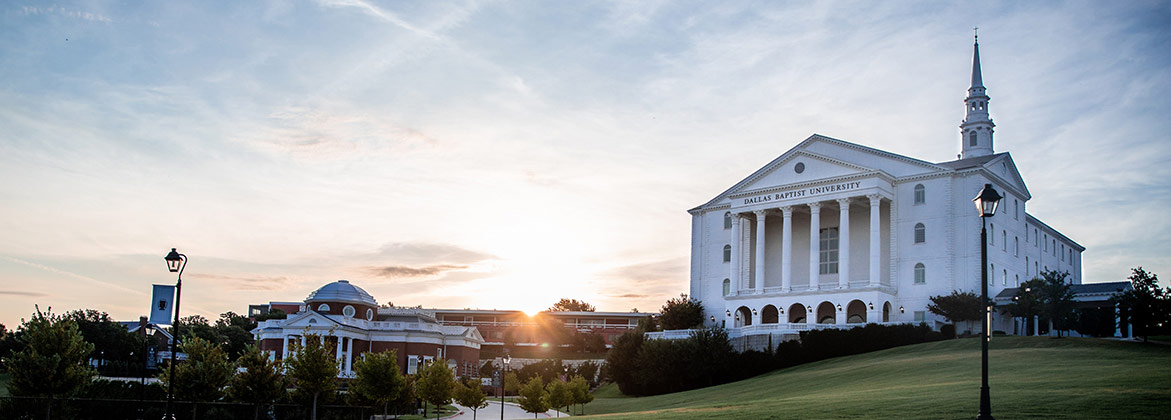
column 342, row 291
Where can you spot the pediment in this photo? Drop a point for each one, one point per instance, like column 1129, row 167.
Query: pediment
column 799, row 167
column 1004, row 168
column 308, row 319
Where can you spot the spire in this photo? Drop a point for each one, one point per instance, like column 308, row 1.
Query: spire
column 977, row 127
column 977, row 79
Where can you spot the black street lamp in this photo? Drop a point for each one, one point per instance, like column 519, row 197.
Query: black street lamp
column 176, row 262
column 503, row 377
column 986, row 203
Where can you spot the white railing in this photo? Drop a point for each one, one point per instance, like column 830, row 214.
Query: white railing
column 670, row 334
column 761, row 329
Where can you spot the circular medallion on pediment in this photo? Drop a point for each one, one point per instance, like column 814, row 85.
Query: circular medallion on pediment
column 800, row 167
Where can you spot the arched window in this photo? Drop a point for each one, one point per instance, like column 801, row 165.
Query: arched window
column 323, row 308
column 727, row 287
column 992, row 235
column 727, row 220
column 1018, row 279
column 920, row 233
column 1026, row 266
column 920, row 273
column 1016, row 246
column 1004, row 240
column 920, row 194
column 1004, row 279
column 972, row 138
column 727, row 253
column 992, row 276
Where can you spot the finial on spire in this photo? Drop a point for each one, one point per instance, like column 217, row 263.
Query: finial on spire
column 976, row 33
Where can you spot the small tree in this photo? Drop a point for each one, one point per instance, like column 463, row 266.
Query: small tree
column 312, row 368
column 511, row 383
column 1027, row 302
column 580, row 388
column 377, row 378
column 205, row 373
column 559, row 394
column 957, row 307
column 470, row 396
column 1146, row 305
column 436, row 384
column 260, row 381
column 571, row 305
column 1058, row 304
column 53, row 361
column 681, row 313
column 533, row 398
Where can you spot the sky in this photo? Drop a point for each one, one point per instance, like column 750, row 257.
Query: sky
column 505, row 154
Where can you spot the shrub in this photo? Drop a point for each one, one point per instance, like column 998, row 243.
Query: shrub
column 948, row 331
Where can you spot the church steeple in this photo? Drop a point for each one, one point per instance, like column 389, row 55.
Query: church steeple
column 977, row 127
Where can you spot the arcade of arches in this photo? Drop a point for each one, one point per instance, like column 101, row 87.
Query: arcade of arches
column 825, row 312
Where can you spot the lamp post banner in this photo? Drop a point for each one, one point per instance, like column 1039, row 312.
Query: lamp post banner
column 160, row 307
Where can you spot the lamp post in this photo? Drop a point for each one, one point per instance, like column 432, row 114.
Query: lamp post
column 503, row 378
column 176, row 262
column 986, row 203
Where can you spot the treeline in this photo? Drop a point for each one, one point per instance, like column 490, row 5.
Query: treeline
column 642, row 366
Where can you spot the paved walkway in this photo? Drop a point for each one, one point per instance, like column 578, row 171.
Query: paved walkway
column 511, row 411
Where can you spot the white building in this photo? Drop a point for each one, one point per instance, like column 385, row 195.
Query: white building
column 833, row 233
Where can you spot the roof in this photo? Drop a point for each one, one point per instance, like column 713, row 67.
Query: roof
column 1088, row 289
column 972, row 162
column 341, row 291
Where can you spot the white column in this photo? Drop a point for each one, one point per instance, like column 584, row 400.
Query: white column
column 302, row 341
column 338, row 351
column 844, row 243
column 349, row 355
column 814, row 250
column 761, row 217
column 734, row 273
column 840, row 315
column 875, row 239
column 787, row 249
column 285, row 352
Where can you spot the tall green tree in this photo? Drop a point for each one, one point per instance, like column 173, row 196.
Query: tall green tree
column 571, row 305
column 111, row 340
column 312, row 368
column 378, row 378
column 580, row 387
column 1146, row 305
column 559, row 394
column 470, row 395
column 1057, row 300
column 621, row 361
column 52, row 362
column 436, row 384
column 260, row 380
column 511, row 383
column 533, row 398
column 681, row 313
column 234, row 332
column 205, row 373
column 957, row 307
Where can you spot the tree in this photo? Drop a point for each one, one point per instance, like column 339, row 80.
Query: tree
column 436, row 384
column 511, row 383
column 559, row 394
column 205, row 373
column 53, row 361
column 533, row 398
column 1057, row 300
column 1145, row 305
column 571, row 305
column 234, row 333
column 197, row 326
column 580, row 388
column 111, row 340
column 470, row 396
column 378, row 378
column 312, row 368
column 1027, row 302
column 620, row 361
column 957, row 307
column 260, row 380
column 681, row 313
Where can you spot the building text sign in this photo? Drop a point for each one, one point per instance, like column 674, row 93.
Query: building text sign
column 803, row 192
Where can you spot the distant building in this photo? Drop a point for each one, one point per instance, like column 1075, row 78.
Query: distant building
column 515, row 328
column 350, row 320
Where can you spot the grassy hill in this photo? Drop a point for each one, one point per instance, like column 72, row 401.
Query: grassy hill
column 1030, row 378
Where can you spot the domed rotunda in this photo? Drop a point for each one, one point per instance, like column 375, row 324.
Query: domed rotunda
column 343, row 298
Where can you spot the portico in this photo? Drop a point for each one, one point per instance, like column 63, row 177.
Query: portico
column 821, row 237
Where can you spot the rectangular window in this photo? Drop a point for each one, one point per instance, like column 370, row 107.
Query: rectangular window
column 412, row 365
column 920, row 316
column 828, row 247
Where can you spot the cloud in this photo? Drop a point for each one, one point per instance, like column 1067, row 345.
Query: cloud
column 671, row 270
column 629, row 296
column 20, row 293
column 61, row 11
column 419, row 253
column 246, row 283
column 400, row 271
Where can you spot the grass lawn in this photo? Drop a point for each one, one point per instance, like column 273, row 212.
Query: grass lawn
column 444, row 411
column 3, row 384
column 1029, row 378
